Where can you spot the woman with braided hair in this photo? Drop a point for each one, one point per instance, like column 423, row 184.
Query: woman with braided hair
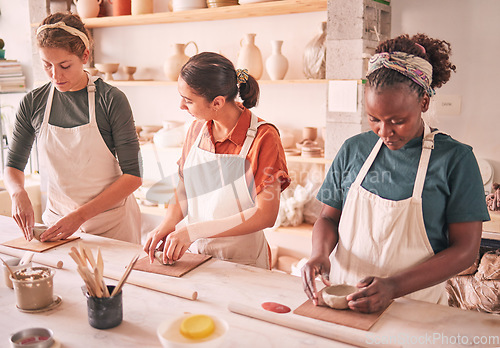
column 232, row 170
column 86, row 140
column 403, row 204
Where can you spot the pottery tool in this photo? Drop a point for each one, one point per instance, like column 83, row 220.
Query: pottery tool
column 27, row 257
column 93, row 279
column 35, row 245
column 331, row 331
column 43, row 259
column 9, row 269
column 185, row 264
column 170, row 288
column 123, row 279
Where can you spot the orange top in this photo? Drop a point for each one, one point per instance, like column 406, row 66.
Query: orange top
column 266, row 155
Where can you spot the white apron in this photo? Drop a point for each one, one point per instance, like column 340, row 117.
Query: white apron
column 379, row 237
column 78, row 166
column 217, row 187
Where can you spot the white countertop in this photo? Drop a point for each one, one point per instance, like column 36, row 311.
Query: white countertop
column 217, row 283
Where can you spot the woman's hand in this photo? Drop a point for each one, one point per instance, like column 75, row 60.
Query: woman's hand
column 63, row 228
column 317, row 265
column 375, row 295
column 176, row 245
column 23, row 214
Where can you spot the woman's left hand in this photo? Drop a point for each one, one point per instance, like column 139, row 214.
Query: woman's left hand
column 375, row 295
column 63, row 228
column 176, row 245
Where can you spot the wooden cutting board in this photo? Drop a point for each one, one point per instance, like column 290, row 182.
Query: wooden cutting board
column 187, row 263
column 344, row 317
column 35, row 245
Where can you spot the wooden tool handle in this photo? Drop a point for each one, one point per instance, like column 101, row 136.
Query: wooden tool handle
column 156, row 285
column 46, row 260
column 319, row 328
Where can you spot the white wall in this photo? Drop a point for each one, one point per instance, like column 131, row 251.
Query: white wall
column 473, row 29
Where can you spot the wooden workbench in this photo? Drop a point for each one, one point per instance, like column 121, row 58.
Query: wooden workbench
column 217, row 283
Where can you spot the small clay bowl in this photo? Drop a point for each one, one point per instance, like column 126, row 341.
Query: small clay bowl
column 335, row 296
column 35, row 337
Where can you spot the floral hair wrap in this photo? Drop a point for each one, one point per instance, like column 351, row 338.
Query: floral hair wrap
column 417, row 69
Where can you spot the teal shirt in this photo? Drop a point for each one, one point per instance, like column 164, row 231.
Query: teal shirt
column 453, row 190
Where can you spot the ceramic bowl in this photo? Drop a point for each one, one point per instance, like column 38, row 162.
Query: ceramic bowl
column 129, row 71
column 335, row 296
column 108, row 68
column 170, row 336
column 173, row 137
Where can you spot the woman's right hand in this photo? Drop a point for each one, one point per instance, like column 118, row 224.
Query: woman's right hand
column 317, row 265
column 23, row 214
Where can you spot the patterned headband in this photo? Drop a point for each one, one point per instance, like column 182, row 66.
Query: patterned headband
column 69, row 29
column 417, row 69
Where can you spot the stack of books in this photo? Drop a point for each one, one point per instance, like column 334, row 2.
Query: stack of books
column 11, row 76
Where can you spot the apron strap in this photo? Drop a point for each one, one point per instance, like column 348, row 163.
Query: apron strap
column 91, row 95
column 427, row 147
column 368, row 163
column 251, row 134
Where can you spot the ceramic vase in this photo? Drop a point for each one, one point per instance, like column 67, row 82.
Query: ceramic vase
column 277, row 64
column 141, row 7
column 250, row 57
column 175, row 62
column 87, row 8
column 315, row 56
column 121, row 7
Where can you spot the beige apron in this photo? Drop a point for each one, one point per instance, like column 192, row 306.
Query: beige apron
column 379, row 237
column 217, row 187
column 78, row 166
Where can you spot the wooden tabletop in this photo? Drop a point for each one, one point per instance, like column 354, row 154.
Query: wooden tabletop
column 218, row 283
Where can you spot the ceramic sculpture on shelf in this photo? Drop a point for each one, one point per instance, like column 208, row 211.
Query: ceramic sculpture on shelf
column 87, row 8
column 141, row 7
column 250, row 57
column 173, row 65
column 121, row 7
column 315, row 56
column 2, row 51
column 277, row 64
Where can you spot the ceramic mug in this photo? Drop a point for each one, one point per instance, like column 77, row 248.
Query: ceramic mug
column 14, row 266
column 34, row 292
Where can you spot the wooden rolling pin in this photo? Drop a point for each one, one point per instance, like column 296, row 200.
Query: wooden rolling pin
column 42, row 259
column 328, row 330
column 156, row 285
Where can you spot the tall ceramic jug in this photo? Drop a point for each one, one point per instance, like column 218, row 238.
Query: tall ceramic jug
column 315, row 56
column 250, row 57
column 142, row 6
column 121, row 7
column 173, row 65
column 87, row 8
column 276, row 64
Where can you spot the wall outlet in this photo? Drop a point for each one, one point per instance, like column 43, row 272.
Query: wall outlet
column 447, row 105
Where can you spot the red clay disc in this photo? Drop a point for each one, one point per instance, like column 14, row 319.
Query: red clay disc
column 275, row 307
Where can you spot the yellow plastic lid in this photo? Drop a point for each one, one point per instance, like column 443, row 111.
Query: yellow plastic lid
column 197, row 326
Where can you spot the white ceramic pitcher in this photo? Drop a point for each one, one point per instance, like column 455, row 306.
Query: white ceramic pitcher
column 87, row 8
column 174, row 63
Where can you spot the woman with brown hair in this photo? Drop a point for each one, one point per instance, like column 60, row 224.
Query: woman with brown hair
column 87, row 144
column 232, row 169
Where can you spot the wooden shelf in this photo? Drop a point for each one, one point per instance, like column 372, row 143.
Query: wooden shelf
column 210, row 14
column 139, row 83
column 301, row 159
